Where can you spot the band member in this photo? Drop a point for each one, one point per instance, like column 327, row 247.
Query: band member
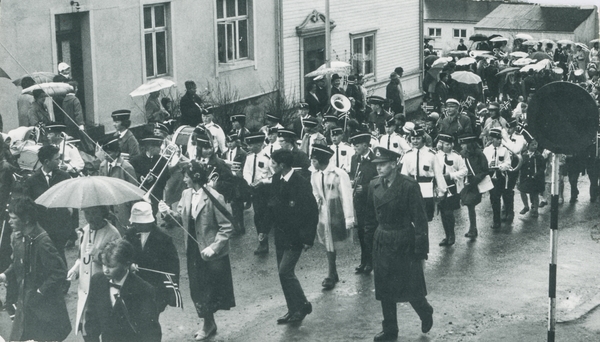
column 333, row 191
column 342, row 151
column 235, row 157
column 71, row 160
column 216, row 132
column 238, row 122
column 311, row 135
column 477, row 166
column 396, row 220
column 294, row 213
column 514, row 141
column 257, row 169
column 121, row 306
column 127, row 142
column 362, row 171
column 499, row 162
column 300, row 162
column 454, row 170
column 532, row 178
column 392, row 141
column 151, row 169
column 272, row 144
column 272, row 121
column 422, row 164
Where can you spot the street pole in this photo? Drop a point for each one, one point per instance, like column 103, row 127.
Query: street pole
column 553, row 250
column 327, row 48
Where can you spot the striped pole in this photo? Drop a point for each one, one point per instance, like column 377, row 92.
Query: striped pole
column 553, row 250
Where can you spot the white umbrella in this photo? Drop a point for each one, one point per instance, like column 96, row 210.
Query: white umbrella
column 530, row 43
column 476, row 53
column 523, row 61
column 441, row 62
column 545, row 63
column 466, row 77
column 337, row 67
column 583, row 46
column 156, row 84
column 519, row 54
column 499, row 39
column 523, row 36
column 565, row 42
column 466, row 61
column 50, row 88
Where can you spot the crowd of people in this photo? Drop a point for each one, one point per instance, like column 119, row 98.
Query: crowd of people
column 368, row 166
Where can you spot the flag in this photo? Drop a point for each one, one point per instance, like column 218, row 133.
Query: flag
column 175, row 298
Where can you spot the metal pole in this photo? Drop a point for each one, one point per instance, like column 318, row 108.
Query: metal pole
column 328, row 47
column 553, row 249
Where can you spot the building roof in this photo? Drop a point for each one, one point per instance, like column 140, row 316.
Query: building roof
column 458, row 10
column 532, row 17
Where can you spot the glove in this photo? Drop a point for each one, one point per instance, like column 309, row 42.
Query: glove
column 163, row 208
column 81, row 127
column 207, row 253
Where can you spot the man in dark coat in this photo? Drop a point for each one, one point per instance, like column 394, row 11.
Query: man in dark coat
column 441, row 92
column 362, row 171
column 300, row 160
column 120, row 306
column 294, row 213
column 127, row 142
column 152, row 160
column 336, row 86
column 190, row 106
column 396, row 216
column 394, row 92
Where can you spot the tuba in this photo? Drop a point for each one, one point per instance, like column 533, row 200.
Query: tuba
column 340, row 103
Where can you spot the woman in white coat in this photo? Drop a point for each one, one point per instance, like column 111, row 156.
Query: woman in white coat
column 333, row 192
column 92, row 239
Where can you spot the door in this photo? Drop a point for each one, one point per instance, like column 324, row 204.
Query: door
column 314, row 55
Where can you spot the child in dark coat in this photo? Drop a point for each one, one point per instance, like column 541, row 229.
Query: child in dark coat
column 531, row 178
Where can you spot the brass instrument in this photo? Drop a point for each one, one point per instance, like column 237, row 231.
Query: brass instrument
column 169, row 153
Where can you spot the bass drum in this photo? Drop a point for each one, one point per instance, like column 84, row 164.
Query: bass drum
column 182, row 137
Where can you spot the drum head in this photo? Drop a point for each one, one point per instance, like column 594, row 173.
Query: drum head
column 563, row 117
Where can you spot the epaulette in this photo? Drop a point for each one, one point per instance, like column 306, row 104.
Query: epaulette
column 432, row 150
column 411, row 150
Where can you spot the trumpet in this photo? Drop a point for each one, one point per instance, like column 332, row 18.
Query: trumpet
column 169, row 153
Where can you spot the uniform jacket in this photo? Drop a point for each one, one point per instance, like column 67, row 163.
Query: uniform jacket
column 135, row 321
column 159, row 253
column 394, row 142
column 396, row 218
column 293, row 211
column 129, row 144
column 455, row 126
column 239, row 156
column 453, row 165
column 428, row 166
column 38, row 268
column 342, row 156
column 256, row 167
column 361, row 173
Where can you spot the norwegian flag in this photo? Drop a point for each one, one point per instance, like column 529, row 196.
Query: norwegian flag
column 175, row 298
column 505, row 105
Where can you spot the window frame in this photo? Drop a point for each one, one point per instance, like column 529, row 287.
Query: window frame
column 235, row 20
column 435, row 30
column 460, row 33
column 362, row 36
column 154, row 30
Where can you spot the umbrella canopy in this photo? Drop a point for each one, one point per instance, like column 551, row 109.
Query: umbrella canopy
column 530, row 43
column 519, row 54
column 594, row 41
column 498, row 39
column 428, row 38
column 565, row 42
column 466, row 77
column 548, row 41
column 50, row 88
column 38, row 77
column 430, row 59
column 523, row 36
column 337, row 67
column 478, row 37
column 581, row 45
column 534, row 67
column 507, row 71
column 86, row 192
column 466, row 61
column 476, row 53
column 523, row 61
column 456, row 53
column 441, row 62
column 540, row 56
column 156, row 84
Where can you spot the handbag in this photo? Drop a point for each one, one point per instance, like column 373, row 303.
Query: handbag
column 485, row 184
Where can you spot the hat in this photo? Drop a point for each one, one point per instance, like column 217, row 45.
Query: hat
column 121, row 115
column 351, row 78
column 493, row 105
column 55, row 127
column 467, row 138
column 200, row 130
column 335, row 77
column 62, row 66
column 330, row 118
column 161, row 127
column 286, row 133
column 434, row 116
column 202, row 140
column 337, row 131
column 383, row 155
column 360, row 137
column 310, row 122
column 273, row 117
column 394, row 76
column 452, row 101
column 254, row 138
column 496, row 133
column 152, row 140
column 111, row 145
column 445, row 138
column 512, row 123
column 390, row 122
column 238, row 117
column 141, row 212
column 208, row 110
column 408, row 127
column 418, row 131
column 273, row 130
column 232, row 136
column 320, row 150
column 378, row 100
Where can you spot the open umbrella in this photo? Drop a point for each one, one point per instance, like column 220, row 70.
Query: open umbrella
column 548, row 41
column 466, row 77
column 86, row 192
column 523, row 61
column 565, row 42
column 594, row 41
column 499, row 39
column 441, row 62
column 466, row 61
column 50, row 88
column 457, row 53
column 519, row 54
column 337, row 67
column 581, row 45
column 540, row 56
column 427, row 38
column 507, row 71
column 478, row 37
column 156, row 84
column 430, row 59
column 476, row 53
column 38, row 77
column 530, row 43
column 523, row 36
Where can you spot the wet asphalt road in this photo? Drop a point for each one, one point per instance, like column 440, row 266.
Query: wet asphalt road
column 491, row 289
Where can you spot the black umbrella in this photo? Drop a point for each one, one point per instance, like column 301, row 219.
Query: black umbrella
column 478, row 37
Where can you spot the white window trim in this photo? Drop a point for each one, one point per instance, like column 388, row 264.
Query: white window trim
column 169, row 37
column 459, row 33
column 372, row 32
column 251, row 60
column 434, row 31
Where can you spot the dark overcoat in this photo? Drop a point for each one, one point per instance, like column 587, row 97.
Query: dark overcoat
column 397, row 217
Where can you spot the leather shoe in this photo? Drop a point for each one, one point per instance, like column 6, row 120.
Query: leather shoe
column 386, row 336
column 451, row 240
column 202, row 335
column 368, row 269
column 284, row 319
column 427, row 323
column 444, row 242
column 263, row 248
column 299, row 315
column 360, row 268
column 328, row 283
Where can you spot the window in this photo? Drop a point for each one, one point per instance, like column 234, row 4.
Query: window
column 435, row 32
column 459, row 33
column 156, row 40
column 232, row 30
column 363, row 54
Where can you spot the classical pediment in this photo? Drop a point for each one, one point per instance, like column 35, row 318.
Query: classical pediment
column 313, row 24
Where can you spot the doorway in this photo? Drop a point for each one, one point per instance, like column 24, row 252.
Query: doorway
column 313, row 57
